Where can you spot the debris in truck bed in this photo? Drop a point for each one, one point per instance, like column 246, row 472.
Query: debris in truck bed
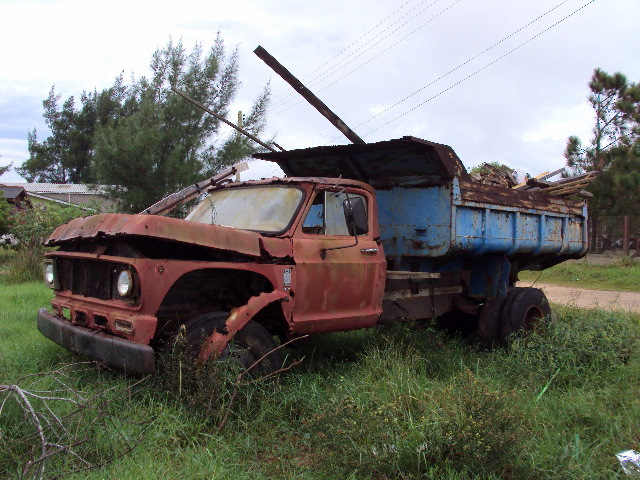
column 490, row 175
column 565, row 187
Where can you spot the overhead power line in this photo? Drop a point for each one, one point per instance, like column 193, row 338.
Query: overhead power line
column 481, row 69
column 342, row 77
column 388, row 17
column 462, row 64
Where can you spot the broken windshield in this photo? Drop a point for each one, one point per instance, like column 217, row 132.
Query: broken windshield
column 263, row 209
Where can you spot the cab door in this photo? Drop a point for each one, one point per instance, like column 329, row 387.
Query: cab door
column 339, row 278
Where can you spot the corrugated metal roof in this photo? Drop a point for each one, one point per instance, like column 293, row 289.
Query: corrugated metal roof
column 10, row 192
column 72, row 188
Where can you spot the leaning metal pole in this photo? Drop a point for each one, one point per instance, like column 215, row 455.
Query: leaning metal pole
column 307, row 94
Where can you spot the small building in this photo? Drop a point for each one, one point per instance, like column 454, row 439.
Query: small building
column 16, row 196
column 70, row 194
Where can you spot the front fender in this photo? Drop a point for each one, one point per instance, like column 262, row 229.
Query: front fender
column 238, row 318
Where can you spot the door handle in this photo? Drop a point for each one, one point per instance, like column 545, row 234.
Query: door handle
column 369, row 251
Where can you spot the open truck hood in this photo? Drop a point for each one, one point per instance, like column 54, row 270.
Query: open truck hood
column 214, row 236
column 407, row 161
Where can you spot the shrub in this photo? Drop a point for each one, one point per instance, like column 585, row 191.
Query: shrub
column 30, row 228
column 5, row 214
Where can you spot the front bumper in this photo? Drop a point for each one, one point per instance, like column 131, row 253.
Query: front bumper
column 96, row 345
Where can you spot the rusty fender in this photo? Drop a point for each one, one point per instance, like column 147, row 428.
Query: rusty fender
column 238, row 318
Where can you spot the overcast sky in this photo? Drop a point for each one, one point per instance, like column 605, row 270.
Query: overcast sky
column 497, row 80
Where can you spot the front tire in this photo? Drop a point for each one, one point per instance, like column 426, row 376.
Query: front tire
column 251, row 344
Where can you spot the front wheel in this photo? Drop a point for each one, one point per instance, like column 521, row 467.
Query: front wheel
column 252, row 347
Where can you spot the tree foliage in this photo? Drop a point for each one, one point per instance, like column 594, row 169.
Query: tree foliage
column 66, row 155
column 5, row 214
column 614, row 147
column 142, row 140
column 32, row 226
column 6, row 168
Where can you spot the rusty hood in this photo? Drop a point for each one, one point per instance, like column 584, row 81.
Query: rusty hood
column 214, row 236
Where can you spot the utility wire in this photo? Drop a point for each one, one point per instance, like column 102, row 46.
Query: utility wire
column 352, row 44
column 328, row 72
column 379, row 54
column 462, row 64
column 331, row 72
column 481, row 69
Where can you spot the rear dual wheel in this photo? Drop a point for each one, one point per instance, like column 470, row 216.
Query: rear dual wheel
column 526, row 309
column 523, row 309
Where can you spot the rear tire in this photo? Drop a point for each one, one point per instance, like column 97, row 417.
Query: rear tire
column 248, row 346
column 527, row 309
column 489, row 321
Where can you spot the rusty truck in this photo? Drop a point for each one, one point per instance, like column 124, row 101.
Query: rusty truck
column 354, row 236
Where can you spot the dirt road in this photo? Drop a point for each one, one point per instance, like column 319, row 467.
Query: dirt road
column 584, row 298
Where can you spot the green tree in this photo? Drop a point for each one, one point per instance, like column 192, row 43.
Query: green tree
column 5, row 169
column 66, row 155
column 614, row 148
column 497, row 165
column 167, row 143
column 143, row 140
column 5, row 214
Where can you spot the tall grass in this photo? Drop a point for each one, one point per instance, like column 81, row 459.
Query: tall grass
column 404, row 403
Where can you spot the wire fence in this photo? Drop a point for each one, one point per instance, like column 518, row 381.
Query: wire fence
column 610, row 233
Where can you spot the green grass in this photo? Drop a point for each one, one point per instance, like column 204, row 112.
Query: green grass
column 400, row 403
column 619, row 276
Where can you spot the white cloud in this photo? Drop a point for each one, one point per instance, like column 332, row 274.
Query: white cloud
column 12, row 150
column 561, row 123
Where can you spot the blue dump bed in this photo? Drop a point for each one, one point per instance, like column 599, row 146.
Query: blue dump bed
column 434, row 218
column 454, row 219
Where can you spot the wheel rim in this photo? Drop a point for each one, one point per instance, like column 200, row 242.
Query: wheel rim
column 237, row 356
column 533, row 317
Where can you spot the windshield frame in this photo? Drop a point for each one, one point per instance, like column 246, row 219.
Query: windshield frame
column 292, row 220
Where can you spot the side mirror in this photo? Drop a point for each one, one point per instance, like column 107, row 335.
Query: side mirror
column 355, row 214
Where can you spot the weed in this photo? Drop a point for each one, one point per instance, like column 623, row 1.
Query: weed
column 407, row 404
column 622, row 275
column 212, row 391
column 625, row 261
column 580, row 347
column 476, row 427
column 25, row 266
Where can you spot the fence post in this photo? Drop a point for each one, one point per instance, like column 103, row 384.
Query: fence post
column 625, row 236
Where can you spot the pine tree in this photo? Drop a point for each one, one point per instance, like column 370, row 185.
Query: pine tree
column 614, row 148
column 167, row 143
column 66, row 155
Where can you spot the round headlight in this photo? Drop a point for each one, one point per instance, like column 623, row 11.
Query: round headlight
column 48, row 274
column 124, row 284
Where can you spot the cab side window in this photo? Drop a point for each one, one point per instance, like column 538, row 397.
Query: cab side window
column 314, row 221
column 326, row 215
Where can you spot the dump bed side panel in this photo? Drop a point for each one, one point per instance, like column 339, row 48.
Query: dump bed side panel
column 446, row 220
column 415, row 221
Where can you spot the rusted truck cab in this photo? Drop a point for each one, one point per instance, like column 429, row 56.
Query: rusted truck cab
column 278, row 253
